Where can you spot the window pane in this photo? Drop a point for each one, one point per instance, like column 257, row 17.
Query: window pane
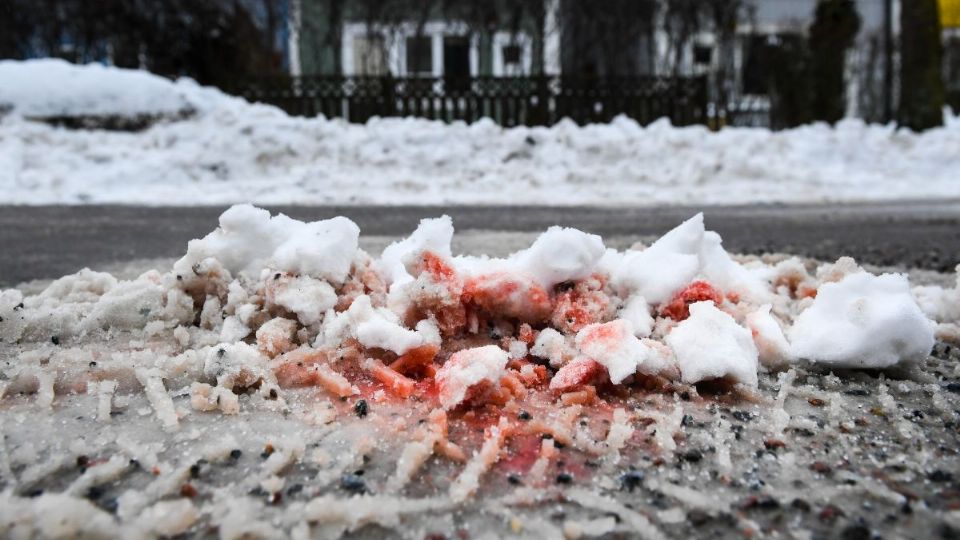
column 511, row 54
column 456, row 57
column 702, row 54
column 419, row 55
column 369, row 55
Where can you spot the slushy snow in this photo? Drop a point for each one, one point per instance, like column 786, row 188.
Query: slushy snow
column 232, row 151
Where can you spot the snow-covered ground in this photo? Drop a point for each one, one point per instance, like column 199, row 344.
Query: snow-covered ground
column 233, row 151
column 280, row 381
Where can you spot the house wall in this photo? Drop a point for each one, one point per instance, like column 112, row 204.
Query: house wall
column 799, row 13
column 327, row 27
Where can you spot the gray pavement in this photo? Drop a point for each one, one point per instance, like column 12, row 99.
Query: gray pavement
column 42, row 242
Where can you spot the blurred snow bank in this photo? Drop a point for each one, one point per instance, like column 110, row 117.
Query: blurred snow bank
column 230, row 151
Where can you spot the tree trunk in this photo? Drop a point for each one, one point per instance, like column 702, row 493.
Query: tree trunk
column 834, row 29
column 921, row 79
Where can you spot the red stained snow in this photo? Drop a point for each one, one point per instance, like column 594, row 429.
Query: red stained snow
column 508, row 295
column 678, row 308
column 579, row 372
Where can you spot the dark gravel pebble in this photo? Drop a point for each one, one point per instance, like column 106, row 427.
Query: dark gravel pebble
column 361, row 408
column 353, row 483
column 631, row 480
column 856, row 531
column 939, row 475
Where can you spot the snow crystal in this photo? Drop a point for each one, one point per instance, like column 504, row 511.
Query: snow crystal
column 711, row 345
column 938, row 303
column 250, row 240
column 720, row 270
column 129, row 304
column 236, row 365
column 863, row 321
column 637, row 311
column 553, row 346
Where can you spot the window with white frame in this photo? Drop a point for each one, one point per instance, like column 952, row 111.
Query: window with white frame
column 431, row 49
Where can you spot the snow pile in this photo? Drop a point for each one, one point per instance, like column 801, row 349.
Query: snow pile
column 711, row 345
column 268, row 302
column 233, row 151
column 249, row 240
column 561, row 254
column 46, row 88
column 863, row 321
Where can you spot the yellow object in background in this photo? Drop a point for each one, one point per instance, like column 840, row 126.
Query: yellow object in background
column 950, row 13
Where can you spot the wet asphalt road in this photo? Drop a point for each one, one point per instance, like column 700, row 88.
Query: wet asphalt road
column 41, row 242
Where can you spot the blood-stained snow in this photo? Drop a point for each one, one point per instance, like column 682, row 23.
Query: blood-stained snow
column 467, row 369
column 231, row 151
column 369, row 388
column 614, row 346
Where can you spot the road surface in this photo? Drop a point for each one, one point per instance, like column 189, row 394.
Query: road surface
column 43, row 242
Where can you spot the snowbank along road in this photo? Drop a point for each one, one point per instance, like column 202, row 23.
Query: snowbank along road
column 209, row 148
